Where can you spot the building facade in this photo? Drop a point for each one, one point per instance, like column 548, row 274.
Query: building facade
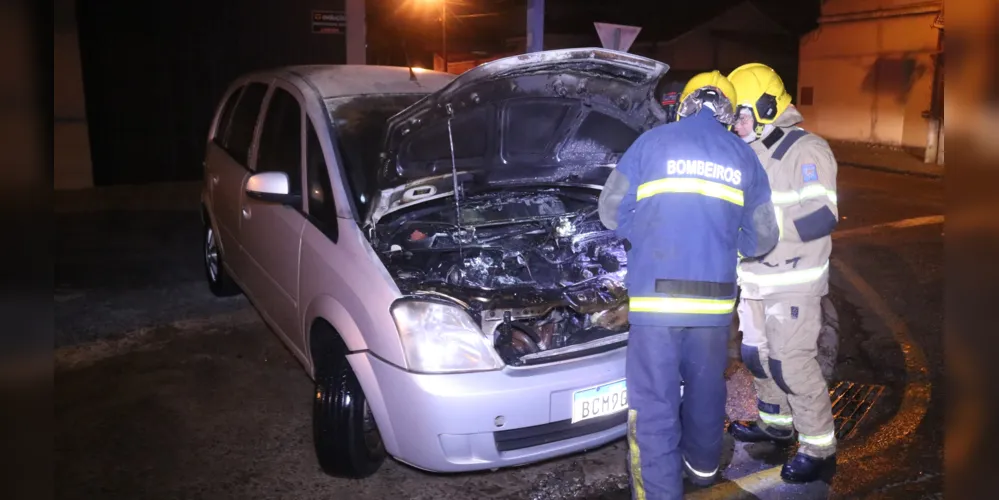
column 872, row 72
column 737, row 36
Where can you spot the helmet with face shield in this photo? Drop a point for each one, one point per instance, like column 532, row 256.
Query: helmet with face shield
column 711, row 90
column 761, row 94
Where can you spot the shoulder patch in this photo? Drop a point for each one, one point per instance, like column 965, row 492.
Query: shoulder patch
column 809, row 173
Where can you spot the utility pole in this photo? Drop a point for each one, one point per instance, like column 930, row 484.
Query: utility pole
column 535, row 25
column 935, row 115
column 444, row 33
column 356, row 32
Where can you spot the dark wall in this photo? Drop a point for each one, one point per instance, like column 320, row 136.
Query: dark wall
column 154, row 71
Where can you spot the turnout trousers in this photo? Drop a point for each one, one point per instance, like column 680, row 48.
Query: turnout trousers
column 779, row 347
column 662, row 432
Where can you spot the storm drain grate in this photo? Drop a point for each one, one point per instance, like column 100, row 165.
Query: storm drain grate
column 851, row 402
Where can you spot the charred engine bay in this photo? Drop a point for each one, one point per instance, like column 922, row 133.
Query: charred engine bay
column 536, row 269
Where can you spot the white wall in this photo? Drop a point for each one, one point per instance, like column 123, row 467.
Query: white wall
column 871, row 79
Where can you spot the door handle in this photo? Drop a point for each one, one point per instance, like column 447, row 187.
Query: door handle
column 215, row 179
column 246, row 212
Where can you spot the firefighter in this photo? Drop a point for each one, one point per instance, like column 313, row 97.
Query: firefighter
column 687, row 197
column 669, row 97
column 779, row 308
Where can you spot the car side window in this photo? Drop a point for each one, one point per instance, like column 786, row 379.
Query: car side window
column 280, row 148
column 322, row 209
column 244, row 121
column 225, row 117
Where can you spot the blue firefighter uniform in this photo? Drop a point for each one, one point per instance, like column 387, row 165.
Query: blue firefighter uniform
column 690, row 198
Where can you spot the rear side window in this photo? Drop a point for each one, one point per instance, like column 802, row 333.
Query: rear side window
column 222, row 129
column 244, row 121
column 280, row 148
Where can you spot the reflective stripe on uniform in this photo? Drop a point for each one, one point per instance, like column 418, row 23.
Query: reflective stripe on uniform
column 819, row 440
column 637, row 484
column 787, row 278
column 775, row 419
column 699, row 473
column 818, row 191
column 681, row 305
column 780, row 222
column 690, row 185
column 807, row 192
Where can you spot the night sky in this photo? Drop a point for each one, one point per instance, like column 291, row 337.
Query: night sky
column 184, row 54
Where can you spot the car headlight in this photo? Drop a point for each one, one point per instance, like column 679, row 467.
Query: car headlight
column 441, row 338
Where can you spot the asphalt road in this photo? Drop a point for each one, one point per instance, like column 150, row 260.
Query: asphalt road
column 163, row 391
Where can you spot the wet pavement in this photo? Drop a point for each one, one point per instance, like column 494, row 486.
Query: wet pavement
column 163, row 391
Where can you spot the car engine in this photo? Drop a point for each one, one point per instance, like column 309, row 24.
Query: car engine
column 536, row 269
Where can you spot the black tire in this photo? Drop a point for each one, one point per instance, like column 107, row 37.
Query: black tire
column 219, row 281
column 344, row 432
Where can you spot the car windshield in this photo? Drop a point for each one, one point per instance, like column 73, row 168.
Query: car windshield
column 359, row 125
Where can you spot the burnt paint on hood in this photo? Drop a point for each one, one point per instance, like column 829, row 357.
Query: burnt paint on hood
column 562, row 117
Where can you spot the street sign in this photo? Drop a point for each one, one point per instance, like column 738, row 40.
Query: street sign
column 329, row 22
column 617, row 36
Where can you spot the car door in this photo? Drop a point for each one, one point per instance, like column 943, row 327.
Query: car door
column 226, row 166
column 270, row 233
column 215, row 150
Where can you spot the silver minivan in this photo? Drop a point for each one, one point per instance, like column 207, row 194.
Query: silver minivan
column 429, row 248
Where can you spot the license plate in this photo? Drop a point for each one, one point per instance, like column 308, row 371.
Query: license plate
column 599, row 401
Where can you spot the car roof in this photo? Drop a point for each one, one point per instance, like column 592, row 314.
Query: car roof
column 336, row 80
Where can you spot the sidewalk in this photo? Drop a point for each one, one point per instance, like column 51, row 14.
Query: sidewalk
column 884, row 158
column 169, row 196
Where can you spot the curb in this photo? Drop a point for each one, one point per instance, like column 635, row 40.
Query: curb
column 890, row 170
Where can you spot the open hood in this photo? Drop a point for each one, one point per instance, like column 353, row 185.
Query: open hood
column 553, row 117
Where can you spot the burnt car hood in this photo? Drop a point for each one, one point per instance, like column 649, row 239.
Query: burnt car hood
column 561, row 117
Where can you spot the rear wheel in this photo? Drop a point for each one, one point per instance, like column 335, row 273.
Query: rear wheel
column 344, row 432
column 219, row 281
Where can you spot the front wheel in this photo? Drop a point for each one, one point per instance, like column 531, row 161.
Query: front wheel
column 345, row 435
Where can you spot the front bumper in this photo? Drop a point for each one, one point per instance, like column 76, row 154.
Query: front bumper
column 474, row 421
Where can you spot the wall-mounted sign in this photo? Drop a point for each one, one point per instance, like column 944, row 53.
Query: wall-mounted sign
column 329, row 22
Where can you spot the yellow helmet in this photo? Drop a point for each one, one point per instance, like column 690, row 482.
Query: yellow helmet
column 760, row 88
column 700, row 86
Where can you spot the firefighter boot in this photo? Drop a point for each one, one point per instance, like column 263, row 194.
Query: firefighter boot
column 806, row 469
column 748, row 431
column 697, row 478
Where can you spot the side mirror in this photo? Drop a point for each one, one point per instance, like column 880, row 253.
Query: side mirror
column 272, row 187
